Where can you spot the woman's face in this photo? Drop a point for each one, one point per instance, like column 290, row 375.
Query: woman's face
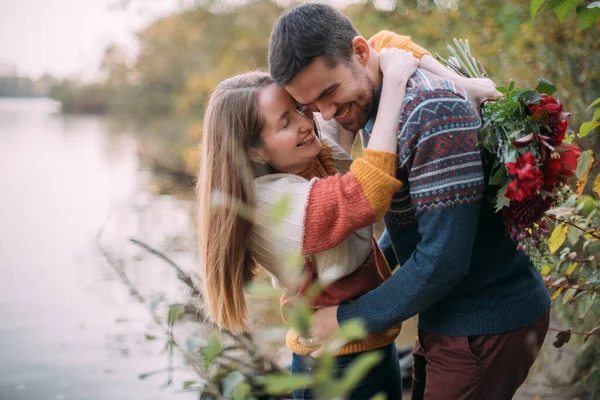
column 289, row 143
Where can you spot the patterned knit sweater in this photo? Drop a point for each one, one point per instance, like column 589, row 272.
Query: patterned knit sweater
column 460, row 270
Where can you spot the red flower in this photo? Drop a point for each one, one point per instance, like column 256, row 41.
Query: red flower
column 523, row 167
column 553, row 108
column 559, row 134
column 551, row 170
column 547, row 99
column 529, row 179
column 568, row 160
column 524, row 213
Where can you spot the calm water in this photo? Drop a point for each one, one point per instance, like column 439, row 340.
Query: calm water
column 69, row 328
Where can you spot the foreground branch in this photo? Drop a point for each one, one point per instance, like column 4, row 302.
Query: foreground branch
column 181, row 274
column 117, row 266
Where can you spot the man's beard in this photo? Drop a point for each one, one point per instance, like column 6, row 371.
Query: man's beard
column 365, row 110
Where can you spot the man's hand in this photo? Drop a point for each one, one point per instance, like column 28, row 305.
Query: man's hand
column 324, row 324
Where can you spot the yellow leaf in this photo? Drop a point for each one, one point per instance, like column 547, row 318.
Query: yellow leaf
column 581, row 183
column 583, row 178
column 546, row 270
column 571, row 268
column 557, row 293
column 597, row 185
column 559, row 234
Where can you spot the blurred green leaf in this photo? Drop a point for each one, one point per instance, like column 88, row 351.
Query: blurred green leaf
column 535, row 7
column 531, row 97
column 596, row 116
column 352, row 330
column 188, row 385
column 284, row 383
column 175, row 311
column 585, row 160
column 587, row 127
column 263, row 290
column 565, row 7
column 280, row 208
column 545, row 86
column 231, row 382
column 241, row 391
column 595, row 102
column 588, row 304
column 193, row 343
column 379, row 396
column 587, row 16
column 358, row 369
column 211, row 350
column 552, row 4
column 501, row 201
column 498, row 177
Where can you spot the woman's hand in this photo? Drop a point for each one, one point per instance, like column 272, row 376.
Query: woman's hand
column 479, row 90
column 397, row 66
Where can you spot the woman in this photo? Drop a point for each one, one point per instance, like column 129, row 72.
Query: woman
column 250, row 121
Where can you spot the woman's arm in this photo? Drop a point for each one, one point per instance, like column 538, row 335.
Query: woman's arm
column 478, row 89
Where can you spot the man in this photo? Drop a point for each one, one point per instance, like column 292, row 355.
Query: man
column 483, row 308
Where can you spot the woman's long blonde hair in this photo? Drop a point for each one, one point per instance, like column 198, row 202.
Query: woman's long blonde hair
column 225, row 192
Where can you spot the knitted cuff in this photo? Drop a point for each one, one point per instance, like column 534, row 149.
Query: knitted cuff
column 372, row 342
column 382, row 159
column 374, row 173
column 389, row 39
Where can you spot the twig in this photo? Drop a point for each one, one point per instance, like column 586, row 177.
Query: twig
column 590, row 333
column 592, row 233
column 117, row 265
column 181, row 274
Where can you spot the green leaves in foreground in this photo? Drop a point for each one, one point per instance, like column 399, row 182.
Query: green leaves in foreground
column 211, row 350
column 587, row 14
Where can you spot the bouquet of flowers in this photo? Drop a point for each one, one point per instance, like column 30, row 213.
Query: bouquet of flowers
column 528, row 144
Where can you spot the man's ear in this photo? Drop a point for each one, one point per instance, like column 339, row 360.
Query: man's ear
column 257, row 156
column 361, row 49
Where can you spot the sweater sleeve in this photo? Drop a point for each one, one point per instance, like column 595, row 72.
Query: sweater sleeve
column 439, row 149
column 389, row 39
column 321, row 214
column 338, row 205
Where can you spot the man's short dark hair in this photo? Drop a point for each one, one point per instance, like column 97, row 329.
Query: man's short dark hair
column 304, row 33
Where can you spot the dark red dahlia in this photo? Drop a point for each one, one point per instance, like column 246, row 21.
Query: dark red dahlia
column 526, row 212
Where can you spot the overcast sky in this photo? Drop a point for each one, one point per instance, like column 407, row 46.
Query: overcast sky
column 67, row 37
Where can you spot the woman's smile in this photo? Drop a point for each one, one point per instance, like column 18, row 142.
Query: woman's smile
column 307, row 140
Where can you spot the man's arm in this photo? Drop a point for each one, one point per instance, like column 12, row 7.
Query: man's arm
column 445, row 172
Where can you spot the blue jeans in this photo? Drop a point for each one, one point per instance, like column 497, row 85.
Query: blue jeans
column 384, row 377
column 385, row 244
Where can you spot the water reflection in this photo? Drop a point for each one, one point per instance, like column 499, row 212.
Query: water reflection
column 70, row 328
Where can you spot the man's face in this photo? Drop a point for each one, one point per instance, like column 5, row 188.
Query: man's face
column 344, row 92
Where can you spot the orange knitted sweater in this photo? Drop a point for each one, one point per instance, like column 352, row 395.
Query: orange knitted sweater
column 338, row 205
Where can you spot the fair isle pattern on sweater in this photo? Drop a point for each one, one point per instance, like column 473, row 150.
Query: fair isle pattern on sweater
column 438, row 153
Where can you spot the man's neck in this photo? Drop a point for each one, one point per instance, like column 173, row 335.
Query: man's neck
column 374, row 69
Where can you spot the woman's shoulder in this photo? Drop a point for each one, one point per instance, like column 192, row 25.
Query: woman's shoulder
column 331, row 135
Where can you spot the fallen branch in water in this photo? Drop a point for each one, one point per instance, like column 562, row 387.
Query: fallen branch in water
column 118, row 267
column 181, row 274
column 259, row 363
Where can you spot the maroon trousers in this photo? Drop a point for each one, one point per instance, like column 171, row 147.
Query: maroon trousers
column 489, row 367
